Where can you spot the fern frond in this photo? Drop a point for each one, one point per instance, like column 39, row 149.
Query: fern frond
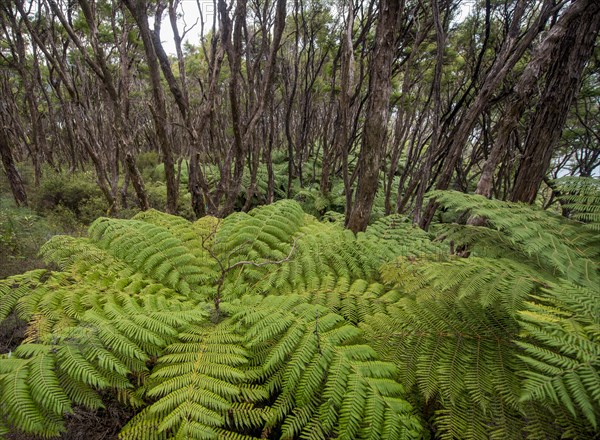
column 315, row 333
column 307, row 357
column 580, row 197
column 561, row 343
column 544, row 240
column 195, row 384
column 323, row 252
column 150, row 249
column 20, row 405
column 395, row 236
column 264, row 233
column 14, row 289
column 452, row 339
column 39, row 382
column 494, row 283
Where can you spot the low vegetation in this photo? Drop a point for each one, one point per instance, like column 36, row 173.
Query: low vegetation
column 273, row 324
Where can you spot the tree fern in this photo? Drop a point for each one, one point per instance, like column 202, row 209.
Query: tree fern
column 454, row 347
column 151, row 249
column 542, row 239
column 580, row 197
column 488, row 341
column 39, row 382
column 196, row 382
column 273, row 324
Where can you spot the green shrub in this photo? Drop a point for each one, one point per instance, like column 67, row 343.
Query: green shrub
column 157, row 197
column 92, row 208
column 314, row 202
column 71, row 192
column 146, row 162
column 158, row 174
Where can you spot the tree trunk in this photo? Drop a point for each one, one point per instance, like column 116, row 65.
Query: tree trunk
column 347, row 79
column 232, row 180
column 511, row 52
column 562, row 83
column 12, row 174
column 138, row 182
column 425, row 174
column 375, row 130
column 138, row 10
column 523, row 93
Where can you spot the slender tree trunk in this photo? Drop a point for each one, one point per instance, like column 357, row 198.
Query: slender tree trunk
column 436, row 136
column 329, row 153
column 138, row 10
column 265, row 96
column 138, row 182
column 343, row 136
column 523, row 93
column 268, row 157
column 375, row 130
column 12, row 174
column 237, row 156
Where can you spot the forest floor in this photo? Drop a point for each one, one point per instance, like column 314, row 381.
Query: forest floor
column 83, row 424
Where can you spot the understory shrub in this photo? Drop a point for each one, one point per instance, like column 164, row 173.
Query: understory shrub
column 73, row 198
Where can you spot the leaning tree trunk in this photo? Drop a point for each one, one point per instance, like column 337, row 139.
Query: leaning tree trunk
column 159, row 112
column 138, row 182
column 523, row 94
column 436, row 135
column 512, row 50
column 12, row 174
column 375, row 129
column 562, row 83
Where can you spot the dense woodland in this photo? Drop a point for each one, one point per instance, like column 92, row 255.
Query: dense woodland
column 316, row 219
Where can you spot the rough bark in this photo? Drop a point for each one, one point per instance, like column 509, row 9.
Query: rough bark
column 375, row 129
column 137, row 181
column 347, row 79
column 512, row 50
column 231, row 181
column 12, row 174
column 425, row 174
column 265, row 95
column 138, row 10
column 562, row 83
column 523, row 92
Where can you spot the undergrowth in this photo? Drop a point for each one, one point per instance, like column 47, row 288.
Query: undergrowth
column 272, row 324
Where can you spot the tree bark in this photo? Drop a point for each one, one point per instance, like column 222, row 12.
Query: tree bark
column 523, row 93
column 511, row 52
column 425, row 174
column 562, row 83
column 347, row 80
column 375, row 129
column 138, row 182
column 138, row 10
column 12, row 174
column 231, row 181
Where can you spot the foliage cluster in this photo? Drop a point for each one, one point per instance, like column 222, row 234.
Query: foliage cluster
column 272, row 324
